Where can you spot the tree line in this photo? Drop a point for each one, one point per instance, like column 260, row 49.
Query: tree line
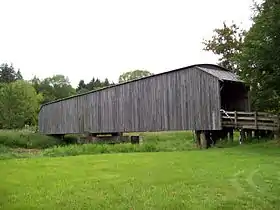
column 252, row 54
column 20, row 99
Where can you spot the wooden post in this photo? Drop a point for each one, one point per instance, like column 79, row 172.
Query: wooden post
column 197, row 138
column 226, row 136
column 242, row 136
column 249, row 135
column 235, row 119
column 257, row 134
column 214, row 136
column 208, row 139
column 256, row 120
column 231, row 135
column 277, row 132
column 89, row 137
column 203, row 140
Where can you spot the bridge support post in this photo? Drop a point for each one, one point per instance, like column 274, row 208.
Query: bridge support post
column 231, row 135
column 276, row 135
column 256, row 134
column 249, row 134
column 204, row 140
column 197, row 138
column 242, row 136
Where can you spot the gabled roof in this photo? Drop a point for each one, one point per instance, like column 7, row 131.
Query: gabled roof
column 221, row 74
column 215, row 70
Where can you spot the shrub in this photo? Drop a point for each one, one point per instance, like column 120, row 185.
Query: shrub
column 26, row 139
column 8, row 153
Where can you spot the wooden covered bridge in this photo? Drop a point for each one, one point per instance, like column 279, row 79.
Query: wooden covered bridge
column 189, row 98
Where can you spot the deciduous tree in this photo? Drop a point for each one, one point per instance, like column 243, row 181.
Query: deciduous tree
column 8, row 73
column 19, row 105
column 131, row 75
column 226, row 42
column 260, row 56
column 52, row 88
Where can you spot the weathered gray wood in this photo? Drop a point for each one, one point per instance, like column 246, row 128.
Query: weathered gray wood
column 235, row 118
column 251, row 120
column 187, row 99
column 198, row 139
column 256, row 120
column 276, row 135
column 203, row 140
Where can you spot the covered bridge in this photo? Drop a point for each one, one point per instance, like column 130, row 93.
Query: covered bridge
column 188, row 98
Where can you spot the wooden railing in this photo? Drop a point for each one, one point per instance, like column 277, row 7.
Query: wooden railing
column 250, row 120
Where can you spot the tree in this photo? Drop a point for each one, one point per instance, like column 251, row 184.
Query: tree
column 106, row 83
column 35, row 81
column 226, row 43
column 52, row 88
column 82, row 87
column 19, row 105
column 131, row 75
column 19, row 75
column 259, row 58
column 95, row 84
column 8, row 74
column 91, row 84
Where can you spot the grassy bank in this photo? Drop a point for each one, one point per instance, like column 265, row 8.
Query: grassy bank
column 26, row 139
column 243, row 177
column 27, row 144
column 22, row 144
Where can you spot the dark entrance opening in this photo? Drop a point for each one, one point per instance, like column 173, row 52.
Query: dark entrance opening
column 234, row 96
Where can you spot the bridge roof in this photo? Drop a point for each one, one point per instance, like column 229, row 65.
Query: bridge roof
column 213, row 69
column 221, row 74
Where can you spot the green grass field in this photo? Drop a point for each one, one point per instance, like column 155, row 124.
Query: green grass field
column 241, row 177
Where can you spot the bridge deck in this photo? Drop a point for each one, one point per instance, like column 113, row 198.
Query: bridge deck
column 251, row 120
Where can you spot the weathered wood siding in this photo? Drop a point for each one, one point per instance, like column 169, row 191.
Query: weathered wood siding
column 188, row 99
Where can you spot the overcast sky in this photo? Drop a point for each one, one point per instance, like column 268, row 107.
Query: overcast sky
column 105, row 38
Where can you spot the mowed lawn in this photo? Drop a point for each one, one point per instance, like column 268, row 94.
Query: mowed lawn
column 243, row 177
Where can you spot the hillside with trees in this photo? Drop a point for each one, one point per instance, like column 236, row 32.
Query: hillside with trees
column 20, row 99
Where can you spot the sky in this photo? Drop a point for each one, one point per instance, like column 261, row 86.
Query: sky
column 83, row 39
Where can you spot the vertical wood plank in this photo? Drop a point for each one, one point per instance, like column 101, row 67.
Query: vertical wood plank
column 256, row 120
column 187, row 99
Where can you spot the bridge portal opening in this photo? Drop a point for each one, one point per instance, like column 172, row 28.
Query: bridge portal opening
column 234, row 96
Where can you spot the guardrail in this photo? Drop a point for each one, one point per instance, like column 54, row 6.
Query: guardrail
column 251, row 120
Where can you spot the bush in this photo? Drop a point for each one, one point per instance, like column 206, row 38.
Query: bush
column 26, row 139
